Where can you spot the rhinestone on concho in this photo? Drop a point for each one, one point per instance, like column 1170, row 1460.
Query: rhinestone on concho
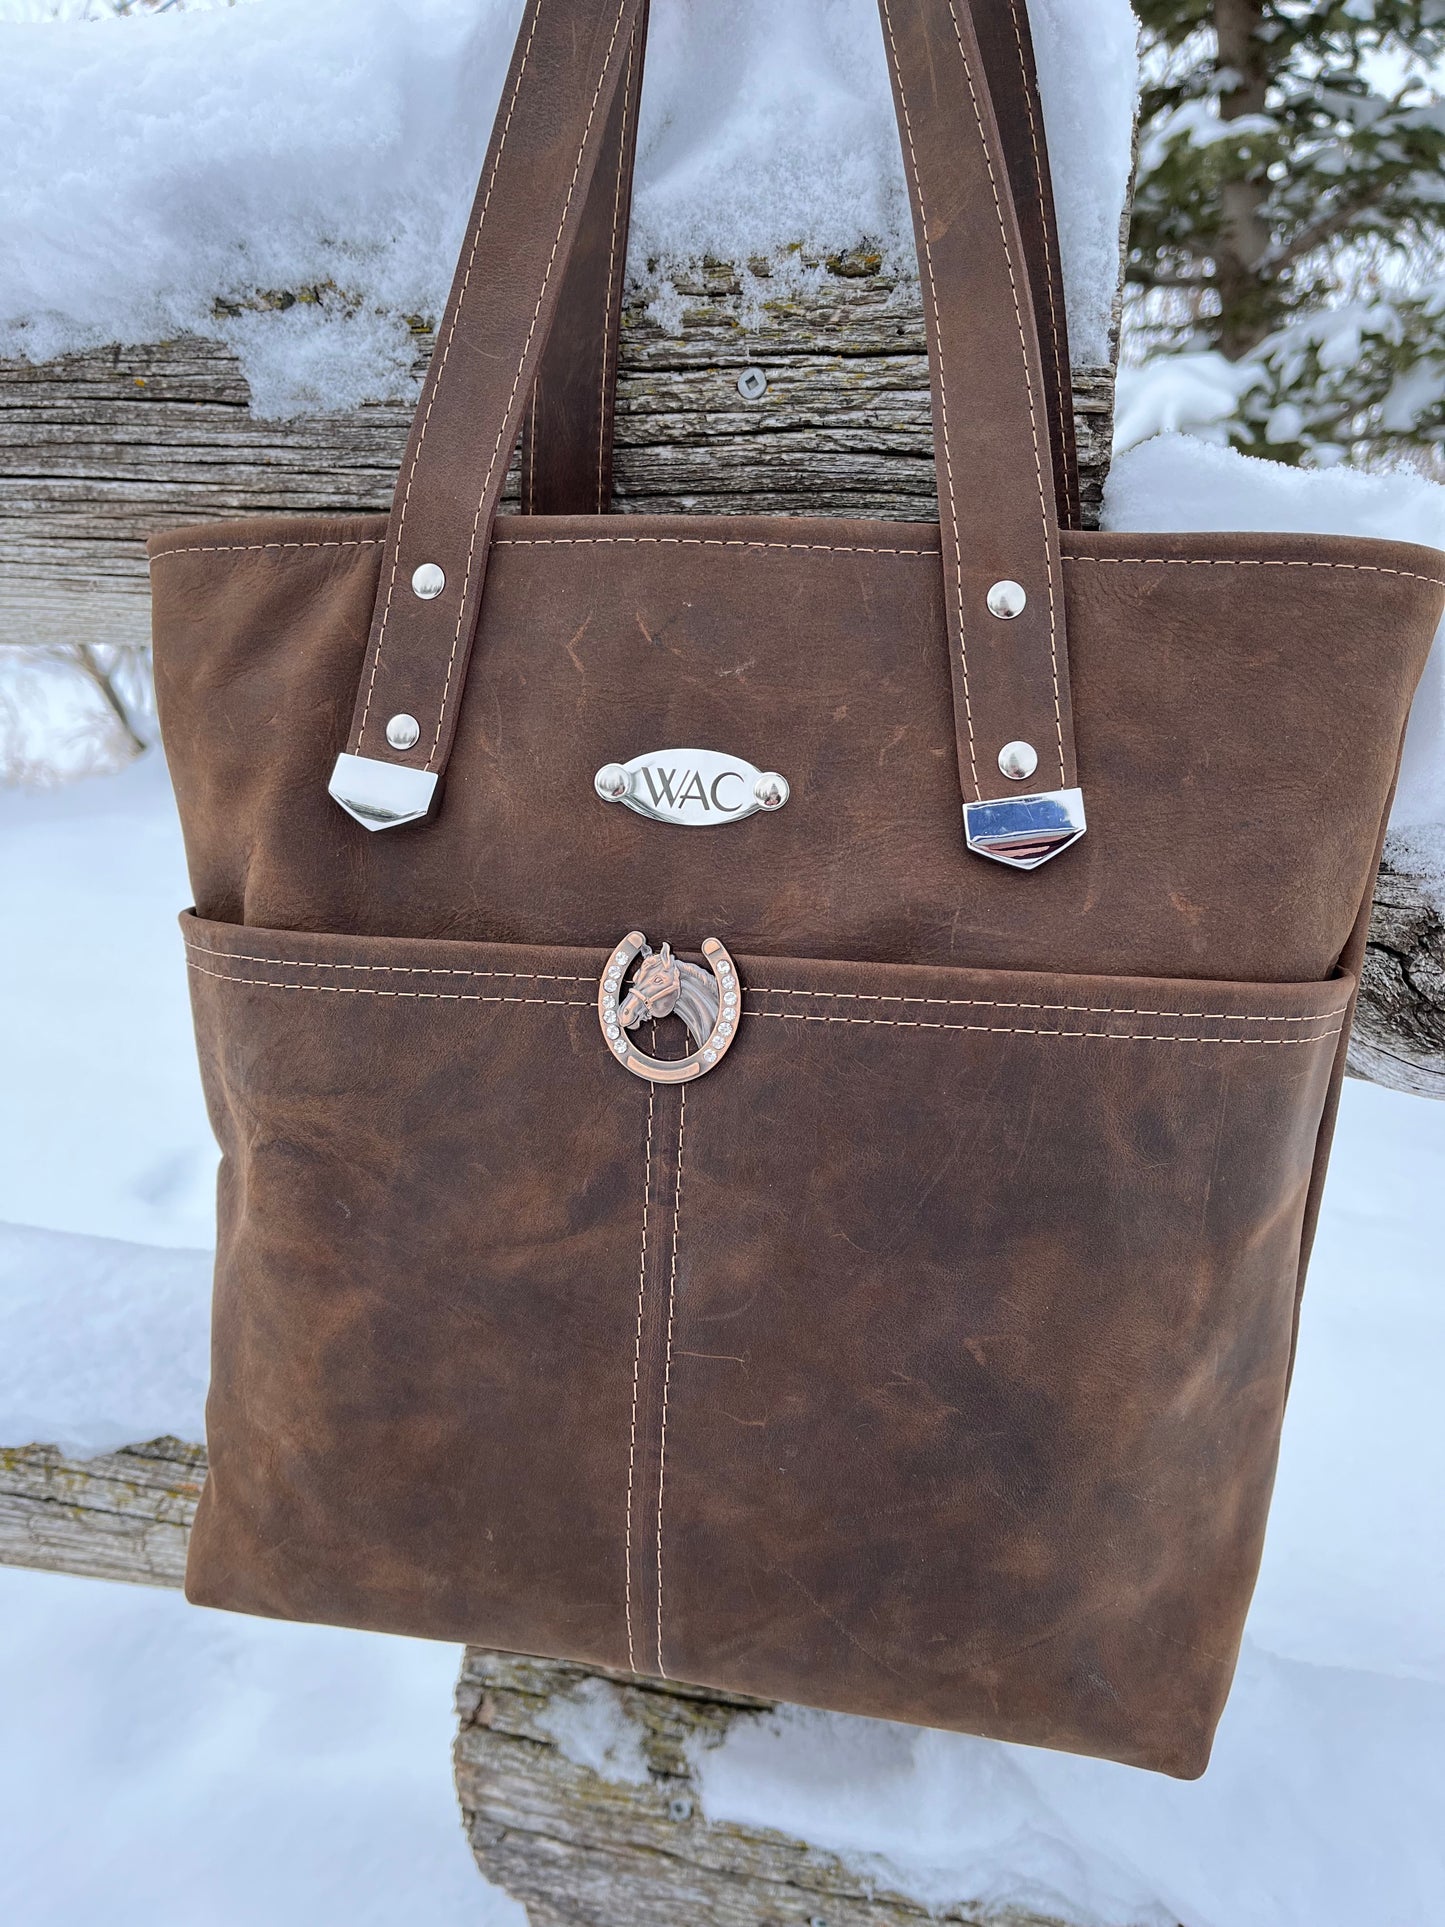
column 664, row 985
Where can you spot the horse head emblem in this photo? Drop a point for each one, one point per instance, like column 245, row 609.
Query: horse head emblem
column 709, row 1002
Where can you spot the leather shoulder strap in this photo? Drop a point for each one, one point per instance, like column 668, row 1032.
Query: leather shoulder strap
column 1006, row 45
column 998, row 522
column 567, row 432
column 1003, row 590
column 559, row 91
column 567, row 437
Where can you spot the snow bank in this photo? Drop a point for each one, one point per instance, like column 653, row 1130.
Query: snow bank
column 102, row 1344
column 157, row 162
column 102, row 1126
column 1180, row 482
column 164, row 1767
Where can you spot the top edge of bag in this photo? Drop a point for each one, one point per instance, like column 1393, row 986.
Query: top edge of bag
column 803, row 533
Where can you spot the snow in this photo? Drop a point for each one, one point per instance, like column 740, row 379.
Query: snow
column 102, row 1344
column 1180, row 482
column 92, row 875
column 186, row 1738
column 592, row 1726
column 163, row 1767
column 159, row 161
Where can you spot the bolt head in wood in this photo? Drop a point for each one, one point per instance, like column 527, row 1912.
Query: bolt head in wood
column 752, row 384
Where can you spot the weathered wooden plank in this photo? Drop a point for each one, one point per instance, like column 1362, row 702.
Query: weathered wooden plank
column 580, row 1849
column 99, row 450
column 1399, row 1035
column 126, row 1515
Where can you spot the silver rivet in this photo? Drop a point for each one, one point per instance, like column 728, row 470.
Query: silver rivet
column 771, row 790
column 1006, row 600
column 402, row 731
column 1018, row 760
column 612, row 782
column 427, row 581
column 752, row 384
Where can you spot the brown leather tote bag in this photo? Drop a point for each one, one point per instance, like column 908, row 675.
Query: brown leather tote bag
column 875, row 1285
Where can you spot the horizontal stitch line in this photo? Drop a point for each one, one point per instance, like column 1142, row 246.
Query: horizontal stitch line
column 692, row 542
column 1027, row 1030
column 1248, row 562
column 1080, row 1010
column 797, row 1017
column 768, row 990
column 367, row 990
column 404, row 970
column 242, row 548
column 827, row 548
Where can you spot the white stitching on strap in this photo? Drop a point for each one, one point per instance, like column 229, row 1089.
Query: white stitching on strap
column 516, row 383
column 1029, row 388
column 436, row 387
column 612, row 265
column 926, row 266
column 1061, row 363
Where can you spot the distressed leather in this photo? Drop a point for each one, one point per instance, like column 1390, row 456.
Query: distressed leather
column 927, row 1359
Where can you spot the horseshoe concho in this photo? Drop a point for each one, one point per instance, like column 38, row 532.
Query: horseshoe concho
column 665, row 986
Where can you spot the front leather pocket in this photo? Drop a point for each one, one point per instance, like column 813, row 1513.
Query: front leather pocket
column 926, row 1359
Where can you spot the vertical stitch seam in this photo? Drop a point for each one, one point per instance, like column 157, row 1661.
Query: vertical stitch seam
column 667, row 1368
column 612, row 268
column 516, row 383
column 1028, row 383
column 926, row 266
column 441, row 372
column 1061, row 379
column 636, row 1374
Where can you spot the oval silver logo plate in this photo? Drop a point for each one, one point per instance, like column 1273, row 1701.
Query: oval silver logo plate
column 697, row 789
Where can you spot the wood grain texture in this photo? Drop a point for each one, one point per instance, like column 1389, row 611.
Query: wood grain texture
column 126, row 1515
column 580, row 1849
column 1399, row 1034
column 100, row 450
